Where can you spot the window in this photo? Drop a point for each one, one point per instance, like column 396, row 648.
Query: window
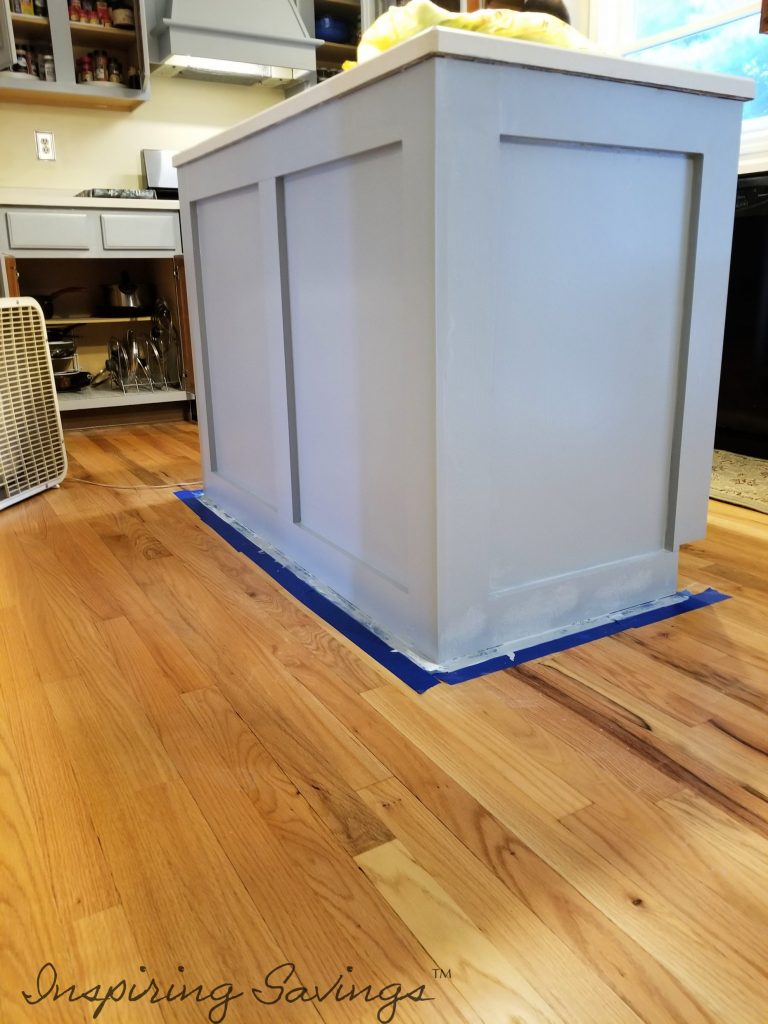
column 719, row 36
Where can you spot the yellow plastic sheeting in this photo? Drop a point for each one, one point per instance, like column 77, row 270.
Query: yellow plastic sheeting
column 400, row 23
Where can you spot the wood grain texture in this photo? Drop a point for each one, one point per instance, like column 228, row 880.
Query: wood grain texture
column 196, row 771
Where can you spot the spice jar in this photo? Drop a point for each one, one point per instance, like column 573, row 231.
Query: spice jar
column 21, row 66
column 115, row 71
column 122, row 15
column 100, row 66
column 45, row 67
column 102, row 12
column 40, row 8
column 85, row 69
column 75, row 10
column 134, row 78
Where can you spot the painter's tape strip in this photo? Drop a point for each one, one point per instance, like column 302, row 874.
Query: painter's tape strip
column 397, row 663
column 565, row 643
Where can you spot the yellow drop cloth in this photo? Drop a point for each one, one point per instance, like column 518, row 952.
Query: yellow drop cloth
column 400, row 23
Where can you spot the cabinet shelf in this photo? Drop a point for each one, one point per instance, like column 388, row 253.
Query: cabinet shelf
column 72, row 321
column 31, row 27
column 106, row 398
column 337, row 8
column 336, row 53
column 100, row 37
column 18, row 88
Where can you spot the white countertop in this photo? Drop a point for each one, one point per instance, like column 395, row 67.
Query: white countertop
column 67, row 198
column 458, row 44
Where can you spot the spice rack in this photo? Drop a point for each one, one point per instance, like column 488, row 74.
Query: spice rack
column 117, row 53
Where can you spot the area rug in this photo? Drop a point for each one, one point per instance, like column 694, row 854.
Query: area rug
column 740, row 480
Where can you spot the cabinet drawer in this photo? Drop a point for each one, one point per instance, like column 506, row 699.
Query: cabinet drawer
column 43, row 229
column 140, row 231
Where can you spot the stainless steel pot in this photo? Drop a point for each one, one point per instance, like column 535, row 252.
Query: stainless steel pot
column 128, row 298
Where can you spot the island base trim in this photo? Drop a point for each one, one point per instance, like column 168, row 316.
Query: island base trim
column 406, row 665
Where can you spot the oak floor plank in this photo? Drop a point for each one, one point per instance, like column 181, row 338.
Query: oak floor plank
column 587, row 689
column 623, row 963
column 296, row 636
column 490, row 981
column 701, row 961
column 172, row 872
column 567, row 985
column 505, row 760
column 75, row 865
column 318, row 903
column 703, row 662
column 224, row 644
column 644, row 842
column 715, row 834
column 515, row 733
column 608, row 758
column 106, row 952
column 31, row 927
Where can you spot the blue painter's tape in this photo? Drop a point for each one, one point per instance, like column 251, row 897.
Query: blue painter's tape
column 565, row 643
column 418, row 678
column 398, row 664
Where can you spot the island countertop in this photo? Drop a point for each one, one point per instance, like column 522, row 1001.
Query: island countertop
column 474, row 46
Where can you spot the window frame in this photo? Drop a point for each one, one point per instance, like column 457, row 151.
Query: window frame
column 611, row 26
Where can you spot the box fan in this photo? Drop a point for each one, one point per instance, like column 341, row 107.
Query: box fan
column 32, row 453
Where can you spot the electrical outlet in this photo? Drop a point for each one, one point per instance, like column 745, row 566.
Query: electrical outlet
column 45, row 146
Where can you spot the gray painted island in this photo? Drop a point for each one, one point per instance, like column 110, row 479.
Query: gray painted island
column 457, row 318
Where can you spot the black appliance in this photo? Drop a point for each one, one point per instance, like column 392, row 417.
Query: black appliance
column 742, row 411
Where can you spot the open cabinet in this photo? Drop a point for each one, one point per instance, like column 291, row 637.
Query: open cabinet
column 42, row 58
column 90, row 265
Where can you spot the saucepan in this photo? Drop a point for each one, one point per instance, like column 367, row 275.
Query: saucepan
column 72, row 380
column 46, row 301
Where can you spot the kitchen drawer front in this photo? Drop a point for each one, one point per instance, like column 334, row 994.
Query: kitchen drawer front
column 146, row 231
column 47, row 229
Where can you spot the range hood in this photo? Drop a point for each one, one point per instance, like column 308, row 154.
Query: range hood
column 236, row 41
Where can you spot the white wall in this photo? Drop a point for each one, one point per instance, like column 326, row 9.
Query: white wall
column 98, row 148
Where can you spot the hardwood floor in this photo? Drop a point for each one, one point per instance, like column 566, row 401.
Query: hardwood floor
column 196, row 773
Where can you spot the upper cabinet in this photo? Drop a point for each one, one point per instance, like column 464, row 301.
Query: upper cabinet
column 79, row 54
column 338, row 24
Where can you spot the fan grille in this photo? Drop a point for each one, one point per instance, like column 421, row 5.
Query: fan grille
column 32, row 454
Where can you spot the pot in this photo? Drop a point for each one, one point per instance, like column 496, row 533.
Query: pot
column 72, row 380
column 46, row 301
column 61, row 336
column 128, row 298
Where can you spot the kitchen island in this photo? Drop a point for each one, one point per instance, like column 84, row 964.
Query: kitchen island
column 457, row 318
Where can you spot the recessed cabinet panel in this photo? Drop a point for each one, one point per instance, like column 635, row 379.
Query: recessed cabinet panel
column 351, row 355
column 237, row 325
column 43, row 229
column 140, row 231
column 611, row 387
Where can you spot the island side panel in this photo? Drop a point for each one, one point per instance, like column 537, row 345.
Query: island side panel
column 559, row 497
column 328, row 246
column 244, row 395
